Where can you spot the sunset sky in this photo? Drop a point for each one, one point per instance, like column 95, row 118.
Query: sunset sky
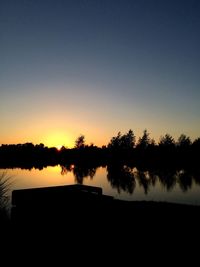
column 96, row 67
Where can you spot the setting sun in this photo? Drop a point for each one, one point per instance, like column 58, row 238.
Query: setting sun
column 58, row 139
column 59, row 147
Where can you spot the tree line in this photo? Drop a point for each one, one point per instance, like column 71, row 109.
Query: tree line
column 122, row 147
column 128, row 141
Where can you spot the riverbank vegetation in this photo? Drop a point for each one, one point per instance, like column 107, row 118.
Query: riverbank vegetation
column 122, row 148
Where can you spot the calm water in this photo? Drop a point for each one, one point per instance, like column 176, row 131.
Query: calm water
column 121, row 182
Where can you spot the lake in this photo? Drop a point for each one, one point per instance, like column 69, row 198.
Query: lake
column 121, row 182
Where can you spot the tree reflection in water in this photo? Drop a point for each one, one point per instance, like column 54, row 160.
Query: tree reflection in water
column 196, row 176
column 123, row 177
column 144, row 180
column 184, row 180
column 80, row 172
column 167, row 178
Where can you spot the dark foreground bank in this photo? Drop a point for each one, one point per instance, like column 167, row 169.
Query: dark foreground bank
column 79, row 206
column 80, row 225
column 81, row 220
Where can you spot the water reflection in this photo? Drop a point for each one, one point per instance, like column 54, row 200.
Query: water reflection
column 167, row 178
column 184, row 180
column 121, row 178
column 196, row 176
column 144, row 180
column 124, row 178
column 123, row 181
column 80, row 172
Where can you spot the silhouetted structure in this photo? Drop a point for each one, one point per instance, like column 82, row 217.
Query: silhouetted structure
column 61, row 203
column 76, row 207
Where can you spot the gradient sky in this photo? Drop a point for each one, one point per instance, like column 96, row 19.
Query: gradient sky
column 96, row 67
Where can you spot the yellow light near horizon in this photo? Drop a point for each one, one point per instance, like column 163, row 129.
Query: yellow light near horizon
column 59, row 147
column 58, row 139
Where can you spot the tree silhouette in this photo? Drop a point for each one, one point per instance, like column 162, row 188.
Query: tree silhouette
column 167, row 141
column 144, row 141
column 115, row 141
column 126, row 141
column 184, row 141
column 196, row 143
column 80, row 142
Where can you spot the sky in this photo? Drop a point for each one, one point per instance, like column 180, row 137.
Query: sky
column 97, row 67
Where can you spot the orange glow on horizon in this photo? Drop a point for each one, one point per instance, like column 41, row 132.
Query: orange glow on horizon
column 58, row 139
